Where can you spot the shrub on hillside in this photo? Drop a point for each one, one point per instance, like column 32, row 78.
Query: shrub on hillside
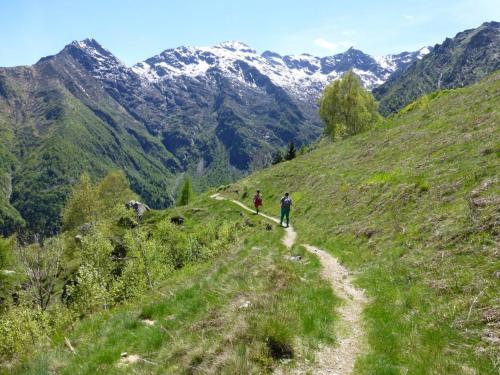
column 24, row 326
column 89, row 292
column 277, row 158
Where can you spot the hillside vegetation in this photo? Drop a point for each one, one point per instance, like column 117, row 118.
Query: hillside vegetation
column 214, row 294
column 460, row 61
column 413, row 208
column 214, row 113
column 50, row 137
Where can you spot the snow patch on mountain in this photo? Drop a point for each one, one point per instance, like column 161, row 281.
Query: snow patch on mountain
column 103, row 63
column 304, row 76
column 422, row 52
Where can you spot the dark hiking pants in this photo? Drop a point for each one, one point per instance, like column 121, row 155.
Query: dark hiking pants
column 285, row 214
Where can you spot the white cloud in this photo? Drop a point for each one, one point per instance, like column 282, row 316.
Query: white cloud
column 331, row 46
column 323, row 43
column 319, row 40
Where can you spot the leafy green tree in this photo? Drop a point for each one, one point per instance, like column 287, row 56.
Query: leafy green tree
column 89, row 203
column 186, row 194
column 277, row 158
column 347, row 108
column 82, row 206
column 113, row 190
column 291, row 151
column 89, row 293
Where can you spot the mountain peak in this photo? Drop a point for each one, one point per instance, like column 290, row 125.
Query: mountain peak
column 96, row 59
column 92, row 48
column 87, row 43
column 270, row 54
column 354, row 51
column 236, row 46
column 491, row 24
column 423, row 51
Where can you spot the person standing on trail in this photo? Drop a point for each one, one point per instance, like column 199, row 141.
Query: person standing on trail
column 286, row 203
column 257, row 201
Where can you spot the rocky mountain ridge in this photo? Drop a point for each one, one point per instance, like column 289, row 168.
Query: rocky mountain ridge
column 459, row 61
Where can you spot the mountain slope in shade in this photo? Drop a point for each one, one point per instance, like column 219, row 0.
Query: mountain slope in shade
column 457, row 62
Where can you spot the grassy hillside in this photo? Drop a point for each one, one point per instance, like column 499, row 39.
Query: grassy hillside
column 413, row 209
column 242, row 307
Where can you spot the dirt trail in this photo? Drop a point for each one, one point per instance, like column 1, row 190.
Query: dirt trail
column 337, row 360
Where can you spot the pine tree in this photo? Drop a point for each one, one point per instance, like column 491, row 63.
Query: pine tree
column 303, row 149
column 291, row 151
column 186, row 194
column 347, row 108
column 277, row 158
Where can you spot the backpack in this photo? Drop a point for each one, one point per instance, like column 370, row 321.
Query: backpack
column 286, row 202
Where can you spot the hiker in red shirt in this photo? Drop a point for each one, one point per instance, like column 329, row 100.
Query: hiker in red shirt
column 257, row 201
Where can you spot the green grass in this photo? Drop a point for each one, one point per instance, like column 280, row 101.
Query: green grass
column 411, row 208
column 398, row 206
column 199, row 325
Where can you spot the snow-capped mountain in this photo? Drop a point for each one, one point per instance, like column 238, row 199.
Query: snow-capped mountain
column 213, row 112
column 302, row 75
column 98, row 60
column 226, row 99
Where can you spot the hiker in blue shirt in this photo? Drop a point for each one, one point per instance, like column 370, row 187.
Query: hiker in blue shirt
column 286, row 203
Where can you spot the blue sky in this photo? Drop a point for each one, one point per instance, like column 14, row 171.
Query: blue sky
column 134, row 30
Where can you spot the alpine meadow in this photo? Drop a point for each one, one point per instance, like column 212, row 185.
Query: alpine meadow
column 218, row 210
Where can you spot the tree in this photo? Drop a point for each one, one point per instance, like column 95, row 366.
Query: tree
column 277, row 158
column 42, row 264
column 186, row 194
column 303, row 149
column 291, row 151
column 89, row 203
column 82, row 206
column 347, row 108
column 114, row 189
